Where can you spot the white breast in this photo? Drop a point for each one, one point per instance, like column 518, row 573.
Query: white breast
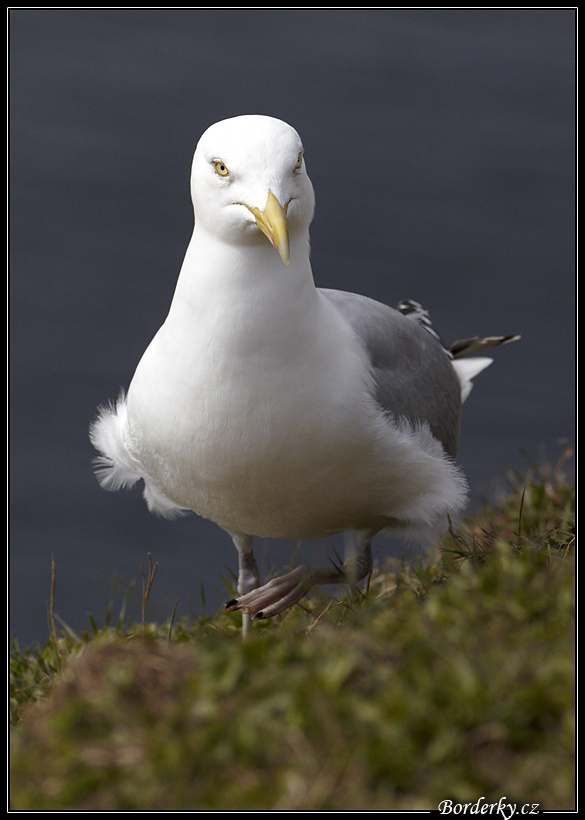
column 246, row 425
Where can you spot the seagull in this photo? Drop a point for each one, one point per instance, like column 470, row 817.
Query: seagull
column 278, row 409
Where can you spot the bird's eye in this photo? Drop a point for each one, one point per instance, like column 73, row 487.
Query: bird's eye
column 221, row 168
column 299, row 161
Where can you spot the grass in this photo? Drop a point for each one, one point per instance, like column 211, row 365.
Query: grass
column 454, row 680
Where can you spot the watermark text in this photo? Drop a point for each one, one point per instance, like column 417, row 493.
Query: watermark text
column 501, row 808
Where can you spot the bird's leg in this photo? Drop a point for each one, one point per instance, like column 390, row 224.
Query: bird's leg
column 248, row 575
column 280, row 593
column 359, row 565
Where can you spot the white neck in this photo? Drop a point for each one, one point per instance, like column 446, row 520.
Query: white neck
column 257, row 298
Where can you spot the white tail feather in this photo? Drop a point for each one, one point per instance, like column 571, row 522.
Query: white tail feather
column 467, row 370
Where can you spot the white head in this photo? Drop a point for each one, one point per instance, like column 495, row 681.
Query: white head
column 248, row 179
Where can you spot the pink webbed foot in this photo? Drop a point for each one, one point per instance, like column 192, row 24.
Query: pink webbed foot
column 277, row 595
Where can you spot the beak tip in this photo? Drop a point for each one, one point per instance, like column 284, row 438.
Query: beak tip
column 272, row 223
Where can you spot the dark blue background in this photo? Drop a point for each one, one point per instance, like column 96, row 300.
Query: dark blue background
column 441, row 147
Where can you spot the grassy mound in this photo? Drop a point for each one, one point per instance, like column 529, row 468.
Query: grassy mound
column 451, row 681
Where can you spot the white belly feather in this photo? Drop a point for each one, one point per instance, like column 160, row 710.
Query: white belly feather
column 269, row 438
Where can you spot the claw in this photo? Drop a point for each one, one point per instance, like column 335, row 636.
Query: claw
column 275, row 596
column 281, row 593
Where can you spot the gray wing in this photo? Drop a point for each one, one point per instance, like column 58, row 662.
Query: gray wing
column 414, row 377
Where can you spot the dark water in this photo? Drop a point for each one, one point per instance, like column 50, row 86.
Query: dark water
column 441, row 147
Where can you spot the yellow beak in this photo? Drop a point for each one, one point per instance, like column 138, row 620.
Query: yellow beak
column 272, row 223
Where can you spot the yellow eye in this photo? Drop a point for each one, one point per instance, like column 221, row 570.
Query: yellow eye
column 221, row 168
column 299, row 161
